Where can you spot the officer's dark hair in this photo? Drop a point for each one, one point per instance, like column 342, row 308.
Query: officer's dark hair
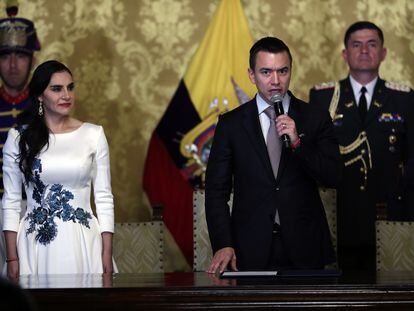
column 270, row 45
column 34, row 133
column 360, row 26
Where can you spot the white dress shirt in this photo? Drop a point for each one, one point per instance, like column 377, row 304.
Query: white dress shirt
column 262, row 105
column 356, row 88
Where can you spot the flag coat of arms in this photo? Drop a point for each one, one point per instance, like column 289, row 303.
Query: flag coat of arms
column 216, row 81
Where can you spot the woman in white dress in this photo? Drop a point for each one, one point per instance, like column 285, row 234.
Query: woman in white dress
column 57, row 158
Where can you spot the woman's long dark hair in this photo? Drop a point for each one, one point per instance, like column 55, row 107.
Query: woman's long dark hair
column 34, row 133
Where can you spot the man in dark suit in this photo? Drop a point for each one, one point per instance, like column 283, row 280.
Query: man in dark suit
column 373, row 121
column 277, row 219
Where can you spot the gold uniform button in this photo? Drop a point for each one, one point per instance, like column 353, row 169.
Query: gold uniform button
column 392, row 139
column 363, row 151
column 361, row 169
column 362, row 188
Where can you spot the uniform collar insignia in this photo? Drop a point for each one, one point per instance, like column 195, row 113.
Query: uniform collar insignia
column 377, row 104
column 349, row 105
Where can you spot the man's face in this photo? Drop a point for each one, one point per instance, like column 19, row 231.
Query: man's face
column 364, row 51
column 271, row 73
column 14, row 70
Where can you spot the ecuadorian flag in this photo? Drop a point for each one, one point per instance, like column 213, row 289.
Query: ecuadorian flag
column 216, row 81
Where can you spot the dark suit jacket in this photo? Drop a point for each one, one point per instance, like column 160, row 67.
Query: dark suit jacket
column 389, row 128
column 239, row 162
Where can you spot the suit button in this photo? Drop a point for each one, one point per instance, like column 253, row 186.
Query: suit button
column 277, row 188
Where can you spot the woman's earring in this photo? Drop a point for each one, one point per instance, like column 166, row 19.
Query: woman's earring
column 40, row 108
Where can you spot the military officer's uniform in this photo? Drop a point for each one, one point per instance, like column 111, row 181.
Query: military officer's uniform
column 17, row 35
column 374, row 152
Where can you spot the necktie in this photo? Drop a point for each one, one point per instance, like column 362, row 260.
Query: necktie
column 362, row 104
column 274, row 146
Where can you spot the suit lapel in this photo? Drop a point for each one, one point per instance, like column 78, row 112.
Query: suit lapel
column 252, row 126
column 377, row 102
column 349, row 101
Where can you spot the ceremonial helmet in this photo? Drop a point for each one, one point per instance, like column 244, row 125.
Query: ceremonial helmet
column 17, row 34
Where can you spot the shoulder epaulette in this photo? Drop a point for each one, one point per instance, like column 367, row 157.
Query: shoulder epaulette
column 325, row 85
column 396, row 86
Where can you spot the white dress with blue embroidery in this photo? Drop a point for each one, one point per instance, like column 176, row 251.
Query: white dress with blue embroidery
column 59, row 233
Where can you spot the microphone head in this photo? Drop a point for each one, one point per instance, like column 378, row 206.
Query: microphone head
column 277, row 97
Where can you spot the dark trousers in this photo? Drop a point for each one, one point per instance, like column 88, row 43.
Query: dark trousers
column 361, row 258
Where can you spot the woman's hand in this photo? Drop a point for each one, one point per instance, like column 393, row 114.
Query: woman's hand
column 12, row 256
column 107, row 264
column 13, row 269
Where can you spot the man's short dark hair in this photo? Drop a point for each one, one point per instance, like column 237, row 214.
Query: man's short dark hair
column 270, row 45
column 360, row 26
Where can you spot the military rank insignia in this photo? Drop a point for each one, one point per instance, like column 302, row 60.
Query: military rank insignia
column 390, row 117
column 377, row 104
column 397, row 86
column 324, row 85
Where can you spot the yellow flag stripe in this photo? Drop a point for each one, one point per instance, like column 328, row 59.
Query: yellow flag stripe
column 223, row 53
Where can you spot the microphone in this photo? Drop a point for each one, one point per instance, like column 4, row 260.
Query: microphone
column 277, row 100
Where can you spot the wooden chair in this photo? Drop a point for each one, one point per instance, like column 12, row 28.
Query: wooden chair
column 138, row 247
column 395, row 245
column 202, row 246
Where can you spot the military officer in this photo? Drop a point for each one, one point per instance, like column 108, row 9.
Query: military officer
column 18, row 42
column 374, row 125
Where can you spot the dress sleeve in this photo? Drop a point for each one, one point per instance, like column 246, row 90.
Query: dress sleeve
column 12, row 180
column 104, row 201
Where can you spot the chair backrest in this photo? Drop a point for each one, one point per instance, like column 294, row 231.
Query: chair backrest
column 328, row 197
column 395, row 245
column 202, row 246
column 139, row 247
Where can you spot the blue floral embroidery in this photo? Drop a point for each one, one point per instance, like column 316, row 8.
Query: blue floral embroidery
column 53, row 204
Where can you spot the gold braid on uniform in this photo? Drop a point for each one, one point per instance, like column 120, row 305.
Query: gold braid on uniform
column 357, row 143
column 362, row 138
column 360, row 158
column 335, row 100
